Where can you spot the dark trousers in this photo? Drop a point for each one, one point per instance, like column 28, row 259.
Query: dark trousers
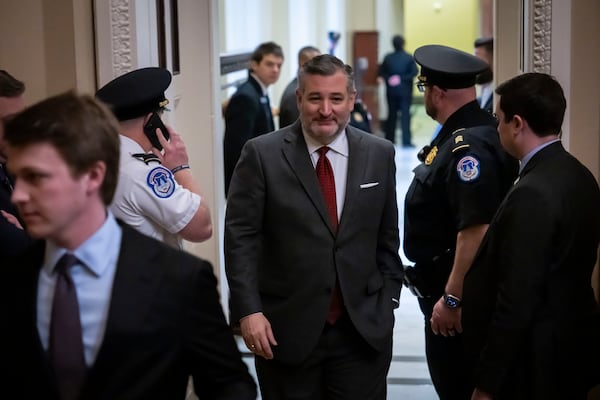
column 446, row 359
column 399, row 102
column 342, row 367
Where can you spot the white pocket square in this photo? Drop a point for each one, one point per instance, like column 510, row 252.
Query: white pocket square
column 368, row 185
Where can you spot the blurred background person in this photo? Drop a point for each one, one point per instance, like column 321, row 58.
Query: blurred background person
column 248, row 112
column 13, row 238
column 398, row 71
column 288, row 106
column 484, row 49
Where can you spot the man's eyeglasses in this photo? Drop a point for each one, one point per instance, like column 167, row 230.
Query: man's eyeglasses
column 421, row 86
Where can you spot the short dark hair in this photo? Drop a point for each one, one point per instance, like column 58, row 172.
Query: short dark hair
column 306, row 50
column 266, row 48
column 398, row 42
column 9, row 85
column 537, row 98
column 485, row 42
column 82, row 130
column 326, row 65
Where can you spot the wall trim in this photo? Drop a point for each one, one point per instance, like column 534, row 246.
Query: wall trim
column 541, row 36
column 115, row 38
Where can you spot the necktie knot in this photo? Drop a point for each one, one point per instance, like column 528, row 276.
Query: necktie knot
column 64, row 264
column 322, row 151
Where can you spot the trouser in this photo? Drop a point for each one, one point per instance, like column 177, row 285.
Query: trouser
column 446, row 359
column 399, row 103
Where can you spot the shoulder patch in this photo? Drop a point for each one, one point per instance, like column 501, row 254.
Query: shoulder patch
column 468, row 168
column 161, row 181
column 459, row 140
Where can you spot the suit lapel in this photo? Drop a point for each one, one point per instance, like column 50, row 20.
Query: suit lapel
column 357, row 162
column 296, row 154
column 135, row 283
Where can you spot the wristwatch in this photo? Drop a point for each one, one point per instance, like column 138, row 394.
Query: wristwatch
column 452, row 301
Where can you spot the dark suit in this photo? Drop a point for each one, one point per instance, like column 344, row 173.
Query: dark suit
column 398, row 94
column 282, row 255
column 165, row 323
column 13, row 240
column 288, row 106
column 247, row 115
column 531, row 324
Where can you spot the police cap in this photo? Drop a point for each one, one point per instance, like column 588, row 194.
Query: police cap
column 136, row 93
column 448, row 68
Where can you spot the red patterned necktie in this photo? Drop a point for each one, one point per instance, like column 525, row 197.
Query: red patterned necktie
column 327, row 183
column 65, row 348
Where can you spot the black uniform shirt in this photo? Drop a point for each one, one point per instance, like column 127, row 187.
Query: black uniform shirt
column 461, row 183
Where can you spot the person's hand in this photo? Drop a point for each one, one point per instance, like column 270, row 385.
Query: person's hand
column 174, row 151
column 257, row 334
column 479, row 395
column 11, row 218
column 444, row 320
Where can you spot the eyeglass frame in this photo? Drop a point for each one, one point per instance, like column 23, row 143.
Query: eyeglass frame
column 421, row 86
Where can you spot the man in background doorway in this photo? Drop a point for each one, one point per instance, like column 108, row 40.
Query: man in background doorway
column 484, row 50
column 398, row 70
column 248, row 112
column 288, row 106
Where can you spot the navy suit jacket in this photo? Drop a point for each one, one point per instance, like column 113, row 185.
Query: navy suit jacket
column 247, row 115
column 165, row 324
column 282, row 255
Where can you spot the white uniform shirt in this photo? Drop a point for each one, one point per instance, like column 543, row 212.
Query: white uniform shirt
column 149, row 199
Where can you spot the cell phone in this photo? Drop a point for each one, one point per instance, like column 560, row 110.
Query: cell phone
column 150, row 130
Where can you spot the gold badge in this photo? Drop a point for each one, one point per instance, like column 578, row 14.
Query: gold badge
column 357, row 117
column 431, row 155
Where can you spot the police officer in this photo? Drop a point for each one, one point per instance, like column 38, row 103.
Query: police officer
column 463, row 176
column 156, row 193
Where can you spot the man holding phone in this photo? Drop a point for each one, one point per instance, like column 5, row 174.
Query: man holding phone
column 156, row 193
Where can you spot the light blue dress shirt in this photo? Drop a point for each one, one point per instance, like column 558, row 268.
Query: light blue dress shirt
column 529, row 155
column 93, row 281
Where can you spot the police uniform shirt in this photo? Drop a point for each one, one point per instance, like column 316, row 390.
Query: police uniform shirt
column 149, row 199
column 460, row 183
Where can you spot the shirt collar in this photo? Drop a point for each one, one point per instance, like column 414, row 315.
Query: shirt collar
column 93, row 252
column 130, row 145
column 339, row 144
column 263, row 87
column 529, row 155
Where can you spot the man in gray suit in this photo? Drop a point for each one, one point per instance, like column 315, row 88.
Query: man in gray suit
column 311, row 247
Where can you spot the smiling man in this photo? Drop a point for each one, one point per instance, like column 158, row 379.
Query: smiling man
column 311, row 247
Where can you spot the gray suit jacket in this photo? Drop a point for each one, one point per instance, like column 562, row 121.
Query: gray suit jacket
column 282, row 256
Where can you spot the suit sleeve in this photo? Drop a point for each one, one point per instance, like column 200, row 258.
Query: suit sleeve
column 243, row 233
column 388, row 242
column 526, row 229
column 215, row 361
